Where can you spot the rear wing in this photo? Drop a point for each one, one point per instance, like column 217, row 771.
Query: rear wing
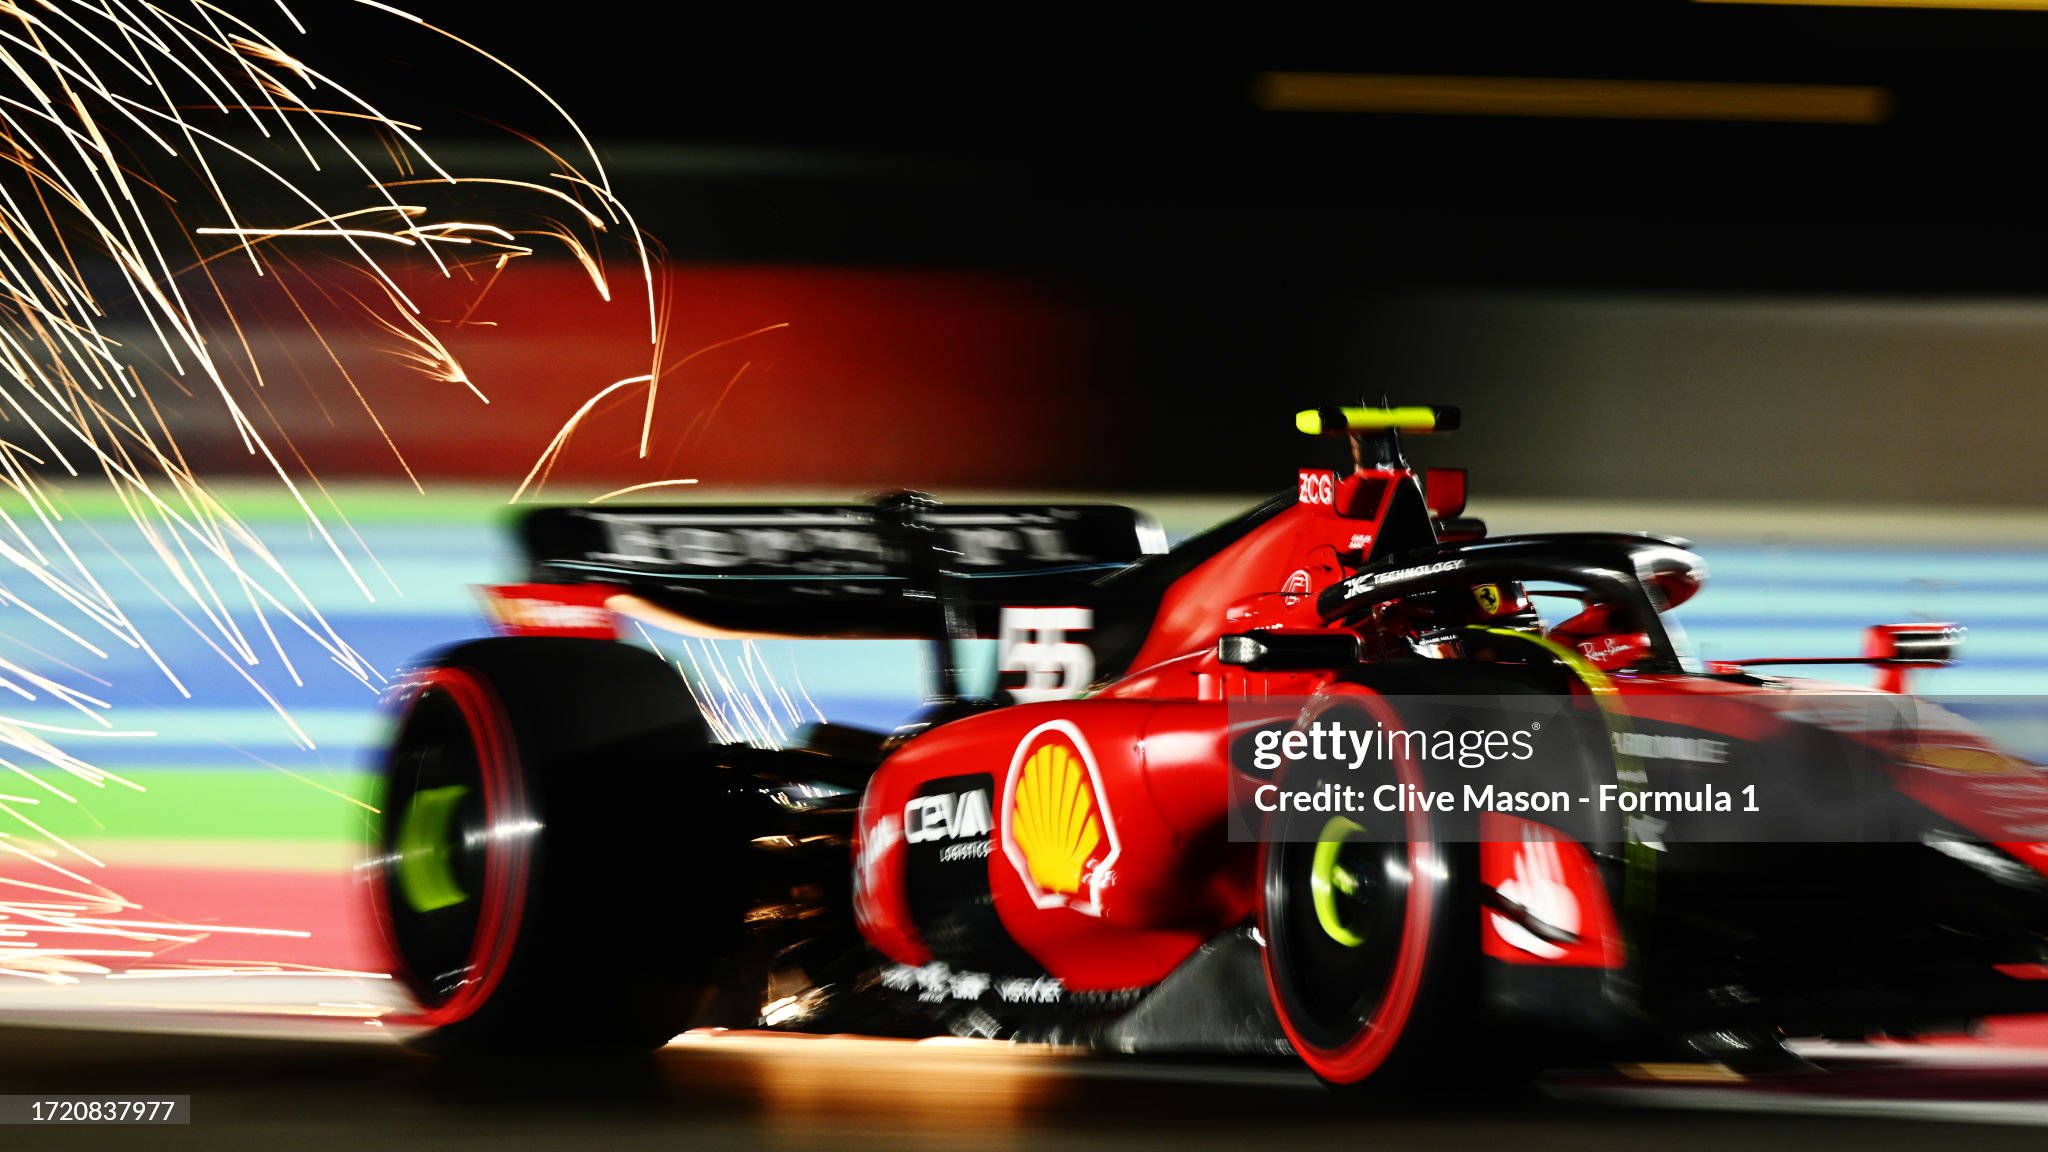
column 902, row 567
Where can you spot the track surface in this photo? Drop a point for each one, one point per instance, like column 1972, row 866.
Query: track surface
column 308, row 1091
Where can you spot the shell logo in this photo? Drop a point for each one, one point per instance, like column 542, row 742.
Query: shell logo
column 1057, row 830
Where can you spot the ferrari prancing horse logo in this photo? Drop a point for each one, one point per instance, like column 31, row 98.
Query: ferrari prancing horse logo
column 1057, row 829
column 1488, row 596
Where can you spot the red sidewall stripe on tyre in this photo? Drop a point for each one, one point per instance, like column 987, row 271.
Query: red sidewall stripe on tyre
column 1358, row 1057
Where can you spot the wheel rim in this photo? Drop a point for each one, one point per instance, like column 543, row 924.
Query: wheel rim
column 1347, row 920
column 1338, row 888
column 457, row 848
column 430, row 853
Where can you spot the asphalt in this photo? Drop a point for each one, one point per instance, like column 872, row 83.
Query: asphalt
column 311, row 1087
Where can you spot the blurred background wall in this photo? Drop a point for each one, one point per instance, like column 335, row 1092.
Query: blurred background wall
column 1789, row 258
column 1772, row 399
column 875, row 377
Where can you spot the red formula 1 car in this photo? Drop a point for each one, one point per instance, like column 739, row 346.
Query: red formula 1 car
column 1093, row 849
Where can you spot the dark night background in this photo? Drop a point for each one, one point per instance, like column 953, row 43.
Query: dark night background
column 1244, row 260
column 1104, row 147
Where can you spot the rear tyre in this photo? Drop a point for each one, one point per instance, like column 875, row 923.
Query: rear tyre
column 548, row 866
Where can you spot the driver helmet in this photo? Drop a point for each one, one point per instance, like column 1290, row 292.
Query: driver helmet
column 1434, row 620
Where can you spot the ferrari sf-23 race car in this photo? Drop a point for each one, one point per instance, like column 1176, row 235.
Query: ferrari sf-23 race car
column 582, row 850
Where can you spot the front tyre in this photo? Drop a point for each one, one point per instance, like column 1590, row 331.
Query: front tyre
column 1356, row 909
column 547, row 867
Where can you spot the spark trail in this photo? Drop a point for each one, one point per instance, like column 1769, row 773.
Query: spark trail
column 184, row 191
